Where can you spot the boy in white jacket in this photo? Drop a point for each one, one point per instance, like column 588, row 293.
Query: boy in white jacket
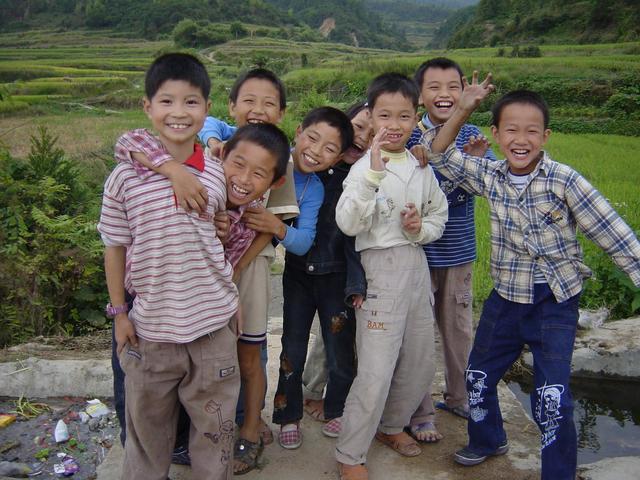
column 392, row 206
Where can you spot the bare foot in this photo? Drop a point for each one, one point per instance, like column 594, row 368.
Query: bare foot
column 315, row 409
column 426, row 432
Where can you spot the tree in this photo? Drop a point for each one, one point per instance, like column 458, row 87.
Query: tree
column 237, row 30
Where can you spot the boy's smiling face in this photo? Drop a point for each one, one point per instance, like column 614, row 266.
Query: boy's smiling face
column 317, row 147
column 441, row 89
column 258, row 101
column 177, row 112
column 248, row 170
column 521, row 135
column 397, row 113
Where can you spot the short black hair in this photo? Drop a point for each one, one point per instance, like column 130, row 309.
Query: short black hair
column 269, row 137
column 261, row 74
column 334, row 118
column 355, row 109
column 442, row 63
column 520, row 96
column 392, row 83
column 176, row 66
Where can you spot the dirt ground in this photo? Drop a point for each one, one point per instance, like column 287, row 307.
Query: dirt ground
column 31, row 440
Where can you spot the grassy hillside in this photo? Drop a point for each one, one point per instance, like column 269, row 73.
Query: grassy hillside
column 508, row 22
column 85, row 88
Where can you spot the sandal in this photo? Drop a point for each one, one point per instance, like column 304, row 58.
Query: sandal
column 425, row 432
column 246, row 452
column 315, row 409
column 352, row 472
column 265, row 433
column 459, row 410
column 401, row 443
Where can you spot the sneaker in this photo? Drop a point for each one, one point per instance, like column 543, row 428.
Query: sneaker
column 468, row 458
column 180, row 456
column 332, row 427
column 290, row 436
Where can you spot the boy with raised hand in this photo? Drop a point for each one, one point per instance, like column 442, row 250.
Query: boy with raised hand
column 174, row 348
column 536, row 205
column 321, row 140
column 392, row 206
column 451, row 256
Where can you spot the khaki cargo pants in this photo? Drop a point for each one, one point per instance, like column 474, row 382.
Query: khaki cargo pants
column 203, row 375
column 395, row 347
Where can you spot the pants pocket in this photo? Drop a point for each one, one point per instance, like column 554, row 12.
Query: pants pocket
column 376, row 313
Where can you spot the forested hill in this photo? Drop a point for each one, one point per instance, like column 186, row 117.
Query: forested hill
column 508, row 22
column 341, row 21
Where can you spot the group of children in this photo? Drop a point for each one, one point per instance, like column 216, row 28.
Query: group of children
column 378, row 243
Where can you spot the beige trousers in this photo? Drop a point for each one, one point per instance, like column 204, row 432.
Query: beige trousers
column 394, row 342
column 451, row 288
column 204, row 376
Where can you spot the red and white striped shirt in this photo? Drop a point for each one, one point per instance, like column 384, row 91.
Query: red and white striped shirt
column 175, row 262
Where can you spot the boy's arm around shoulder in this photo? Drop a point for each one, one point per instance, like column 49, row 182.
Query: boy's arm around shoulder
column 215, row 129
column 356, row 206
column 147, row 155
column 603, row 226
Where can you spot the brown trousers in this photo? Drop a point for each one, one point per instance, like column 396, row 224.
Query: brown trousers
column 204, row 376
column 451, row 289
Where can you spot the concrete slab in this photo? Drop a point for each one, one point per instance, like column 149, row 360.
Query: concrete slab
column 314, row 460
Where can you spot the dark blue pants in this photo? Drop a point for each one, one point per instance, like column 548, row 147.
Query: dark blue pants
column 549, row 328
column 305, row 294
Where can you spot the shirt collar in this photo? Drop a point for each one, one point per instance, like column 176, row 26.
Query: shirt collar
column 196, row 160
column 426, row 121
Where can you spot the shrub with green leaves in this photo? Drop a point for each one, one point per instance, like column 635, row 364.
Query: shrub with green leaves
column 51, row 274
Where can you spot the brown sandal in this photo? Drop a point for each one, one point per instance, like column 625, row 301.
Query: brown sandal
column 401, row 443
column 352, row 472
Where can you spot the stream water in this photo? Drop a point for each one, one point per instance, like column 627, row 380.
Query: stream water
column 606, row 414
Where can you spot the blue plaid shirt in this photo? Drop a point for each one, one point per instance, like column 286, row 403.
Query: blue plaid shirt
column 537, row 226
column 457, row 245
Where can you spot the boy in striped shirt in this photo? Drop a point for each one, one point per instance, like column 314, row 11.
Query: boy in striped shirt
column 537, row 267
column 177, row 344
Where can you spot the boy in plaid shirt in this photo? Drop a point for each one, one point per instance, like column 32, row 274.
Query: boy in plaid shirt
column 536, row 264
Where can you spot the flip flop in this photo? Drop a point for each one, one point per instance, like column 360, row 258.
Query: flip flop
column 459, row 411
column 425, row 428
column 401, row 443
column 247, row 453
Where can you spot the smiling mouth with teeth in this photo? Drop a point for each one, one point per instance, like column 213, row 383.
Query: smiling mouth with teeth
column 239, row 190
column 310, row 160
column 444, row 104
column 520, row 153
column 178, row 126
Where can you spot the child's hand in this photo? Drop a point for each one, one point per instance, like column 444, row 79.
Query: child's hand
column 124, row 332
column 190, row 193
column 421, row 153
column 476, row 146
column 411, row 221
column 262, row 220
column 357, row 300
column 215, row 146
column 223, row 223
column 474, row 93
column 378, row 162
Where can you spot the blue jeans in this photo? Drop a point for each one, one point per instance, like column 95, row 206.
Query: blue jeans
column 549, row 328
column 305, row 294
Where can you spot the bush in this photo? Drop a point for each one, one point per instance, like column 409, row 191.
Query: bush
column 51, row 274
